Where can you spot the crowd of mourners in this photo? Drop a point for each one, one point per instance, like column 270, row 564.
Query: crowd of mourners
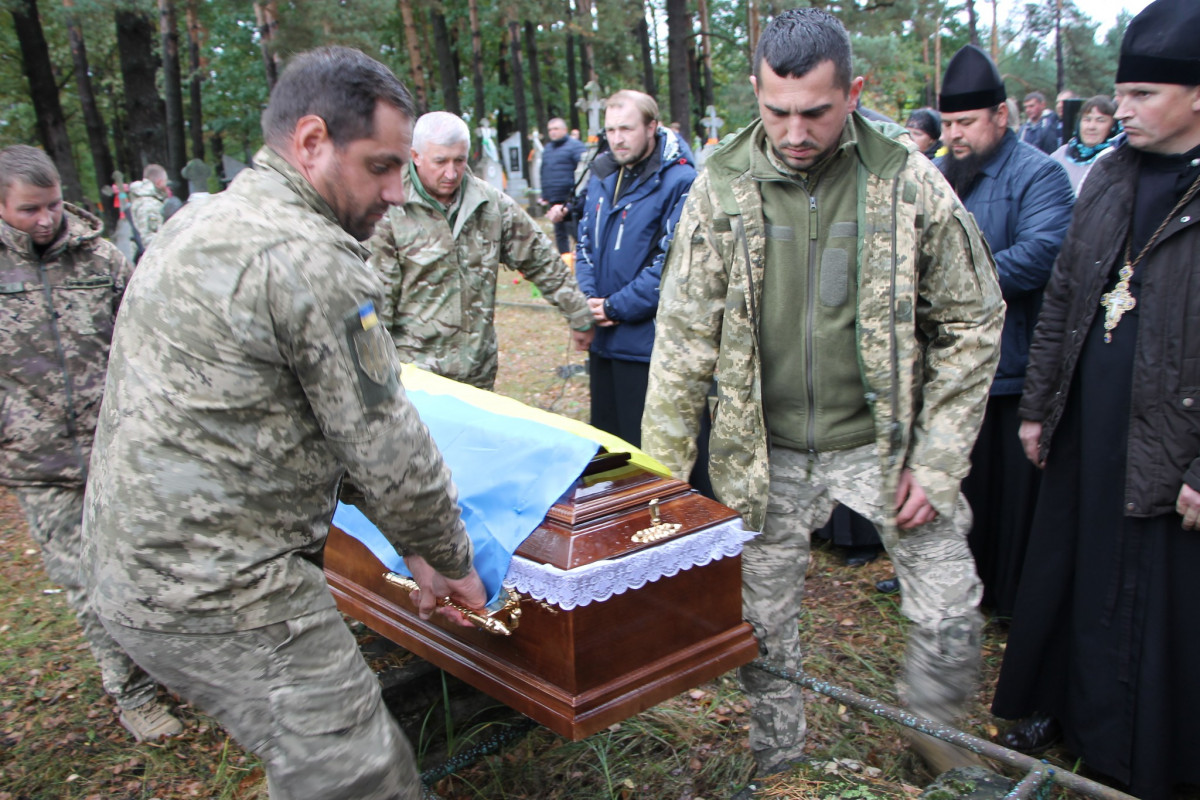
column 971, row 341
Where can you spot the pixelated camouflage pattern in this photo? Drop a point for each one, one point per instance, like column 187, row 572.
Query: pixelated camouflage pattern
column 56, row 321
column 238, row 397
column 929, row 321
column 441, row 281
column 305, row 703
column 146, row 209
column 941, row 592
column 55, row 515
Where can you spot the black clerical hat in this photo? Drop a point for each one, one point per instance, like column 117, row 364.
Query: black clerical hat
column 971, row 81
column 1162, row 45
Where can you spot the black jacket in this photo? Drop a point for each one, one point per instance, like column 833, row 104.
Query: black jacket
column 1163, row 448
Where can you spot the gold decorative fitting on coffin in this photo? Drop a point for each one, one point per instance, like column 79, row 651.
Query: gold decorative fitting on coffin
column 488, row 622
column 658, row 529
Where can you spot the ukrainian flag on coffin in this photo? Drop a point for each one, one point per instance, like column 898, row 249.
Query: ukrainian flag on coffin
column 510, row 462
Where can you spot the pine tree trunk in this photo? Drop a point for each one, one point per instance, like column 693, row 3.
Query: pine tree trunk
column 168, row 30
column 102, row 161
column 143, row 107
column 518, row 85
column 43, row 92
column 268, row 23
column 477, row 62
column 447, row 63
column 642, row 31
column 414, row 54
column 679, row 30
column 535, row 77
column 195, row 78
column 586, row 61
column 572, row 80
column 705, row 45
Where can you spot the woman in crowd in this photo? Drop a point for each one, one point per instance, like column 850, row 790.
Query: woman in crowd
column 925, row 127
column 1097, row 132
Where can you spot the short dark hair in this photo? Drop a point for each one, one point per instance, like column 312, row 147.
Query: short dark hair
column 799, row 40
column 1101, row 103
column 27, row 165
column 340, row 85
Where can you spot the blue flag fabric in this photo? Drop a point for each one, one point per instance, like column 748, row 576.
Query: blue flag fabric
column 509, row 472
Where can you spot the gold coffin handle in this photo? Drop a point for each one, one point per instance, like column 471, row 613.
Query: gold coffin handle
column 490, row 622
column 658, row 529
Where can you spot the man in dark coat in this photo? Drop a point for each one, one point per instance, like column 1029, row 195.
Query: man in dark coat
column 1105, row 638
column 1022, row 201
column 1041, row 124
column 634, row 199
column 560, row 157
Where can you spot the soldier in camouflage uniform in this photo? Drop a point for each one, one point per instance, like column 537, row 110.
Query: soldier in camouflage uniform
column 146, row 198
column 438, row 256
column 853, row 368
column 60, row 284
column 249, row 375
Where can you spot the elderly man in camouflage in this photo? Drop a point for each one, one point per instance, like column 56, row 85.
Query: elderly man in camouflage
column 60, row 284
column 853, row 368
column 439, row 254
column 249, row 374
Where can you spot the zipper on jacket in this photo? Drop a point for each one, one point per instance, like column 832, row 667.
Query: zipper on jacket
column 69, row 412
column 621, row 229
column 810, row 313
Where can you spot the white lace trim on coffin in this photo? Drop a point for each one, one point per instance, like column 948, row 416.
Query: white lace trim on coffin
column 600, row 580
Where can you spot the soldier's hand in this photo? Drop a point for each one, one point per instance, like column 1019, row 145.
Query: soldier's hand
column 467, row 591
column 1030, row 434
column 583, row 339
column 912, row 505
column 1188, row 507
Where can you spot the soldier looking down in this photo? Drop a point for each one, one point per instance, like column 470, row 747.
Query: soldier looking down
column 439, row 254
column 249, row 375
column 852, row 369
column 60, row 284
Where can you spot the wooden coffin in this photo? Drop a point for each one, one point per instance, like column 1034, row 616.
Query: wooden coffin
column 578, row 670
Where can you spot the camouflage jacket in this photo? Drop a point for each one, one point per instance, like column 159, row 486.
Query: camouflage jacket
column 928, row 323
column 57, row 313
column 146, row 210
column 248, row 375
column 441, row 280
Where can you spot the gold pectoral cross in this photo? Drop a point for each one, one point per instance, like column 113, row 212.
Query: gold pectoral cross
column 1117, row 302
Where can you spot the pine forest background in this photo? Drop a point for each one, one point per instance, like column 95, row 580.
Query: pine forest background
column 104, row 85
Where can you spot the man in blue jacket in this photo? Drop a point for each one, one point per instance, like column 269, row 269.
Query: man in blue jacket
column 633, row 201
column 1022, row 201
column 560, row 157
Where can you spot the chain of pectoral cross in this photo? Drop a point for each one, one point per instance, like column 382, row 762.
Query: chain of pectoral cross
column 1120, row 299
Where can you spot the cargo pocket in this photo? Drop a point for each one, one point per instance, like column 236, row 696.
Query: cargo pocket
column 85, row 305
column 321, row 684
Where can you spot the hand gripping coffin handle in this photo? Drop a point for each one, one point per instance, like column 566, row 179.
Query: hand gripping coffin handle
column 488, row 622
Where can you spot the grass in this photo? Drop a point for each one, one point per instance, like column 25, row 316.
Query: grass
column 59, row 737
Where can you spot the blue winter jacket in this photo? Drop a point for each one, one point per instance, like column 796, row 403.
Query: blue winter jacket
column 621, row 249
column 1022, row 202
column 559, row 159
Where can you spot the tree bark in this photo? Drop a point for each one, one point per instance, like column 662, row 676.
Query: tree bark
column 268, row 23
column 535, row 77
column 972, row 23
column 43, row 92
column 414, row 54
column 641, row 30
column 705, row 47
column 102, row 160
column 168, row 30
column 477, row 62
column 586, row 62
column 518, row 86
column 447, row 63
column 572, row 80
column 195, row 78
column 143, row 106
column 679, row 30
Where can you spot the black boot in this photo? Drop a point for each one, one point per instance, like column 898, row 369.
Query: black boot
column 1032, row 735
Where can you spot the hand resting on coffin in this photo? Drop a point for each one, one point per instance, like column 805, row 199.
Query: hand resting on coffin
column 467, row 591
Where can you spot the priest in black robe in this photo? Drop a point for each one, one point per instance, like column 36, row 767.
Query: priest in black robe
column 1105, row 636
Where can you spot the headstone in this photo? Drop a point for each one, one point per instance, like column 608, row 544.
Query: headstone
column 514, row 159
column 535, row 165
column 594, row 106
column 712, row 126
column 231, row 167
column 196, row 172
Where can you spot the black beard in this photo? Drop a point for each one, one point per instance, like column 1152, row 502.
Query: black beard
column 962, row 172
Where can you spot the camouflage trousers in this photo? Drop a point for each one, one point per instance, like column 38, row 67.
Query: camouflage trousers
column 941, row 593
column 296, row 693
column 55, row 517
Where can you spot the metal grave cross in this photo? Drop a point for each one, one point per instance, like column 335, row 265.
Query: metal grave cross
column 713, row 123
